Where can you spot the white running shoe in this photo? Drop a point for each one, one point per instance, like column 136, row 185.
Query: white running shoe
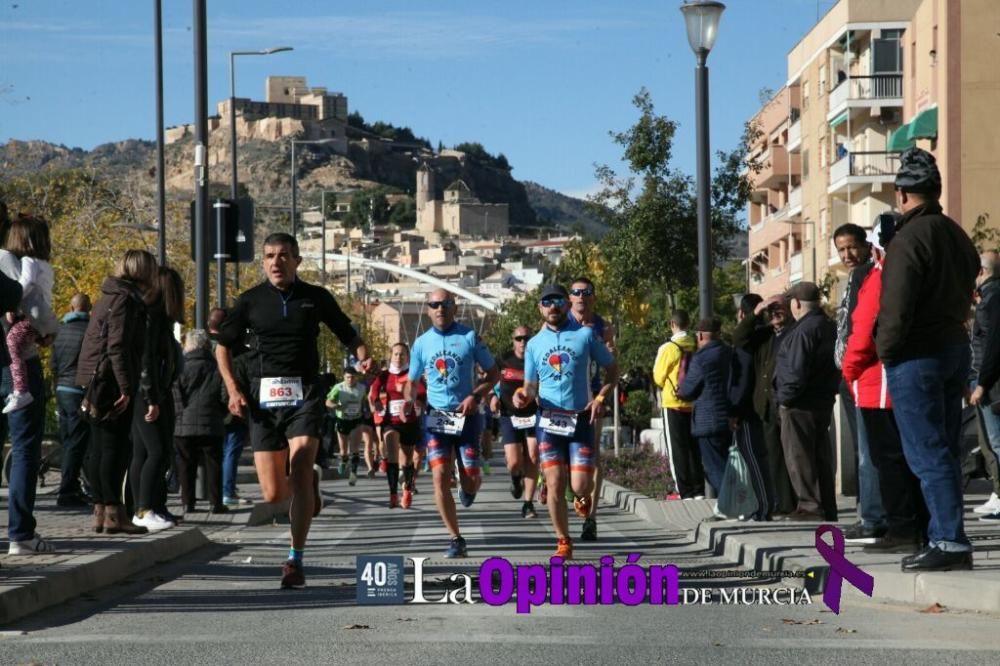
column 353, row 478
column 16, row 401
column 992, row 505
column 152, row 521
column 33, row 546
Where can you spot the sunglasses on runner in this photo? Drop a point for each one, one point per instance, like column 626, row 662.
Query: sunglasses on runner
column 521, row 338
column 586, row 291
column 434, row 305
column 553, row 302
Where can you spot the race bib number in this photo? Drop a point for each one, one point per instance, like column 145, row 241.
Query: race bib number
column 278, row 392
column 351, row 411
column 396, row 407
column 558, row 423
column 445, row 423
column 522, row 422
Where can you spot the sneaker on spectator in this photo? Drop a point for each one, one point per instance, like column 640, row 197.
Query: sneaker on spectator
column 36, row 545
column 673, row 496
column 152, row 521
column 858, row 533
column 991, row 518
column 992, row 505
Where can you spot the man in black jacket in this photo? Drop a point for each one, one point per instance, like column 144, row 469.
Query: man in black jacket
column 927, row 286
column 988, row 292
column 74, row 431
column 805, row 382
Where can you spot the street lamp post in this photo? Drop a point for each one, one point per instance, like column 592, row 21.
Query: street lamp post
column 295, row 227
column 702, row 19
column 232, row 121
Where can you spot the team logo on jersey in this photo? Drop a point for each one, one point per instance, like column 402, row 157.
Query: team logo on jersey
column 559, row 361
column 444, row 365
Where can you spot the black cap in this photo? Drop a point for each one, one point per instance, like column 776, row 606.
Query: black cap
column 804, row 291
column 709, row 325
column 553, row 291
column 918, row 172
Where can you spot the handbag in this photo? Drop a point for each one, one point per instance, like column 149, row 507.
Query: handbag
column 737, row 498
column 102, row 391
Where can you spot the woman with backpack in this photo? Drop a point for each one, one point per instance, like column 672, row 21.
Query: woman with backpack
column 109, row 367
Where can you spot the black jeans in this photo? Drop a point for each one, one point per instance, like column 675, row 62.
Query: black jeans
column 151, row 452
column 109, row 454
column 74, row 433
column 189, row 451
column 901, row 496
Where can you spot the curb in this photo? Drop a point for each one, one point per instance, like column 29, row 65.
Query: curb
column 755, row 546
column 92, row 571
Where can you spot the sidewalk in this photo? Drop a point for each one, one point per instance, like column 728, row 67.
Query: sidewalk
column 85, row 561
column 784, row 546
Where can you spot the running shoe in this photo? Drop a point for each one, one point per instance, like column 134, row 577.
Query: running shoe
column 151, row 521
column 673, row 496
column 466, row 498
column 543, row 494
column 383, row 466
column 516, row 486
column 342, row 468
column 317, row 497
column 582, row 506
column 407, row 498
column 36, row 545
column 371, row 473
column 393, row 500
column 413, row 487
column 564, row 549
column 292, row 576
column 457, row 548
column 528, row 510
column 589, row 532
column 353, row 478
column 569, row 495
column 487, row 470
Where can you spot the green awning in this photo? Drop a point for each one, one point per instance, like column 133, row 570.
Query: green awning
column 899, row 141
column 839, row 120
column 924, row 126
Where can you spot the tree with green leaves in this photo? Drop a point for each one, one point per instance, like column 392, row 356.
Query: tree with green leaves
column 367, row 206
column 652, row 211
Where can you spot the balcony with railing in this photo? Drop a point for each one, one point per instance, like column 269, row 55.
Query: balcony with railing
column 868, row 90
column 794, row 201
column 795, row 136
column 863, row 169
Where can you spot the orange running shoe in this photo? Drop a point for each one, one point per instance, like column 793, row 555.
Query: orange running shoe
column 564, row 549
column 582, row 506
column 407, row 498
column 393, row 500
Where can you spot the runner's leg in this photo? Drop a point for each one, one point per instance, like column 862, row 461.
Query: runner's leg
column 302, row 452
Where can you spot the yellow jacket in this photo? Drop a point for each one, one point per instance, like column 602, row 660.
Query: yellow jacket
column 668, row 365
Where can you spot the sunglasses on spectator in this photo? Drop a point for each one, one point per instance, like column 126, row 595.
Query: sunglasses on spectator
column 550, row 302
column 434, row 305
column 521, row 338
column 586, row 291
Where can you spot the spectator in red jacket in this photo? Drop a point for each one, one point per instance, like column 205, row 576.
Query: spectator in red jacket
column 905, row 512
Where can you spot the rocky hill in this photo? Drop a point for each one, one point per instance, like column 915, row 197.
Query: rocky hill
column 264, row 172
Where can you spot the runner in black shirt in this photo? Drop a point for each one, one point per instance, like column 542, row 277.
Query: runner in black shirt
column 279, row 319
column 517, row 426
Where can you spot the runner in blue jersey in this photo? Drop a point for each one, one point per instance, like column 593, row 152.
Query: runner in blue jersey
column 447, row 356
column 582, row 297
column 557, row 372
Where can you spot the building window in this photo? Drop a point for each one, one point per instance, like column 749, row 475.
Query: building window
column 805, row 95
column 805, row 164
column 822, row 81
column 887, row 53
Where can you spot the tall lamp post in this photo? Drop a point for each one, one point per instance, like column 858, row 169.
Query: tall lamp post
column 232, row 121
column 295, row 226
column 702, row 19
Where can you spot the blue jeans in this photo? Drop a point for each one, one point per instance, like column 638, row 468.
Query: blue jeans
column 236, row 437
column 26, row 426
column 869, row 490
column 927, row 402
column 714, row 457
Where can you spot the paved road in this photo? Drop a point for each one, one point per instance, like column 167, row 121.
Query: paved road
column 221, row 605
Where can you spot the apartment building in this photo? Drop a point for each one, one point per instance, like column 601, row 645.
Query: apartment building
column 870, row 79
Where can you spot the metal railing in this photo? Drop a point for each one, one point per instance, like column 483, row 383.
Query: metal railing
column 869, row 86
column 875, row 163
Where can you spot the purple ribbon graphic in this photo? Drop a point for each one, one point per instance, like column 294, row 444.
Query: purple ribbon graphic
column 840, row 568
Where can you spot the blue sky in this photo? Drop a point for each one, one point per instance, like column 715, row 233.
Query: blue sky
column 541, row 81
